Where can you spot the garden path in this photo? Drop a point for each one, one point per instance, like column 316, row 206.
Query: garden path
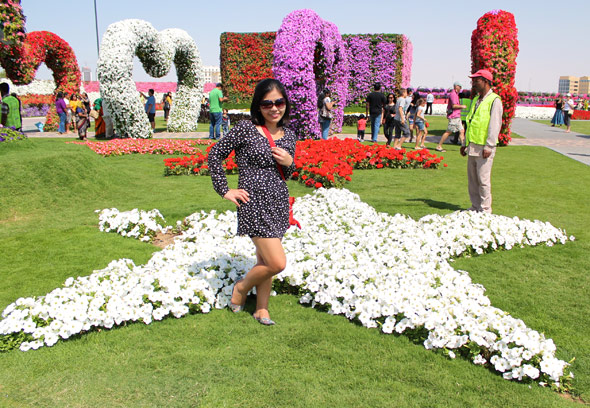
column 574, row 145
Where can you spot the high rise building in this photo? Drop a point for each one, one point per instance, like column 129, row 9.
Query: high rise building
column 211, row 74
column 86, row 74
column 584, row 85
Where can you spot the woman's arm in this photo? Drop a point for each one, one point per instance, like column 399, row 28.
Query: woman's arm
column 290, row 150
column 218, row 154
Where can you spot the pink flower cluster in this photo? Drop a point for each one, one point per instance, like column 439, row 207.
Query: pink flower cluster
column 120, row 147
column 309, row 55
column 159, row 87
column 408, row 49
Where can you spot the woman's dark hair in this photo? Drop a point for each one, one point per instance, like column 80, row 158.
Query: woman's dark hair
column 391, row 94
column 326, row 92
column 415, row 97
column 262, row 88
column 59, row 95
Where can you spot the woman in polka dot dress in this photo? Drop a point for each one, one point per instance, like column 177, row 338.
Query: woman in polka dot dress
column 262, row 196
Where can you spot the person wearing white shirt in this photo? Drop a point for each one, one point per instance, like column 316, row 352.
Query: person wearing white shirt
column 568, row 111
column 429, row 102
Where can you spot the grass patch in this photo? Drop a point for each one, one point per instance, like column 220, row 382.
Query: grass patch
column 578, row 126
column 48, row 232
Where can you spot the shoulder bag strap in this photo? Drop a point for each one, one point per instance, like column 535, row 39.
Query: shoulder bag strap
column 272, row 144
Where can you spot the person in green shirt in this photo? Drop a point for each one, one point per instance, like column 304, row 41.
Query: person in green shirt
column 216, row 100
column 10, row 116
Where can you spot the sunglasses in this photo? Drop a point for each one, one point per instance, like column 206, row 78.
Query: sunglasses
column 267, row 103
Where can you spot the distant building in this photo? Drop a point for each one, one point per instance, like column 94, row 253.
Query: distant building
column 574, row 85
column 584, row 85
column 86, row 74
column 211, row 74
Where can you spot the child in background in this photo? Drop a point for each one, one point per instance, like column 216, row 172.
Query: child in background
column 360, row 128
column 225, row 122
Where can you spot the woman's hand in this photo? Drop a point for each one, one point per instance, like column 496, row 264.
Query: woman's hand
column 237, row 195
column 281, row 156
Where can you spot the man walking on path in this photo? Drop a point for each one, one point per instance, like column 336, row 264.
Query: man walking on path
column 454, row 116
column 216, row 100
column 374, row 110
column 484, row 122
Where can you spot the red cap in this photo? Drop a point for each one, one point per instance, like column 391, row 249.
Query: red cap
column 484, row 73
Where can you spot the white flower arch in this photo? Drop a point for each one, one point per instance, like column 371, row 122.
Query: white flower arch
column 156, row 51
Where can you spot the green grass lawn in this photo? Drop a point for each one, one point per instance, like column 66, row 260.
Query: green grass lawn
column 578, row 126
column 48, row 232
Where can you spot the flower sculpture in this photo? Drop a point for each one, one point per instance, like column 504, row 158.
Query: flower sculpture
column 156, row 51
column 383, row 58
column 13, row 22
column 494, row 46
column 309, row 55
column 21, row 62
column 246, row 59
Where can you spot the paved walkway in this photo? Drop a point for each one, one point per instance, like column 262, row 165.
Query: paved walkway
column 573, row 145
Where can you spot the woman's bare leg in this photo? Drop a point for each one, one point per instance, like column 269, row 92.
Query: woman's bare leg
column 271, row 260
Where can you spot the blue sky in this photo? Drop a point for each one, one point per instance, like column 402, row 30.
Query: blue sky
column 553, row 36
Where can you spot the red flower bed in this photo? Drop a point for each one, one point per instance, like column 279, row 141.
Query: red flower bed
column 119, row 147
column 583, row 115
column 322, row 163
column 35, row 99
column 494, row 46
column 246, row 59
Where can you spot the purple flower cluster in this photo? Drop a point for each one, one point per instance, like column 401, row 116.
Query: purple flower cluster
column 30, row 111
column 377, row 58
column 309, row 55
column 11, row 135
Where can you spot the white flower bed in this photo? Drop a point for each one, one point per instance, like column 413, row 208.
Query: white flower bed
column 385, row 271
column 534, row 112
column 157, row 51
column 142, row 225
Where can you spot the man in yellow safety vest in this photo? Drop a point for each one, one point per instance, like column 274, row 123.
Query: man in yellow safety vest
column 484, row 122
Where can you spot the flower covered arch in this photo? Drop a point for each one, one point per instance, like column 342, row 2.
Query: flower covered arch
column 156, row 51
column 310, row 55
column 21, row 61
column 494, row 46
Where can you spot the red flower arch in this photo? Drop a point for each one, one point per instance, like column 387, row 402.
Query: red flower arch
column 21, row 61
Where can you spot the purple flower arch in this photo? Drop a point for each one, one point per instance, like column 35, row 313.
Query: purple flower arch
column 302, row 35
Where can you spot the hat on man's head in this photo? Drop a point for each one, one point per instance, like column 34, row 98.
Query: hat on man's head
column 484, row 73
column 218, row 85
column 569, row 94
column 457, row 83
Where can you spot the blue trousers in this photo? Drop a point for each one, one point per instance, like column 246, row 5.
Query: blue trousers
column 215, row 126
column 375, row 125
column 325, row 125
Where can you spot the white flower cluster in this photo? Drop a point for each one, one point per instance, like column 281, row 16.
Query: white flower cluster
column 139, row 224
column 37, row 87
column 157, row 52
column 534, row 112
column 381, row 270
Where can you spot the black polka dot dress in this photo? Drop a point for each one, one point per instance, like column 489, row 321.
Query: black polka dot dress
column 266, row 215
